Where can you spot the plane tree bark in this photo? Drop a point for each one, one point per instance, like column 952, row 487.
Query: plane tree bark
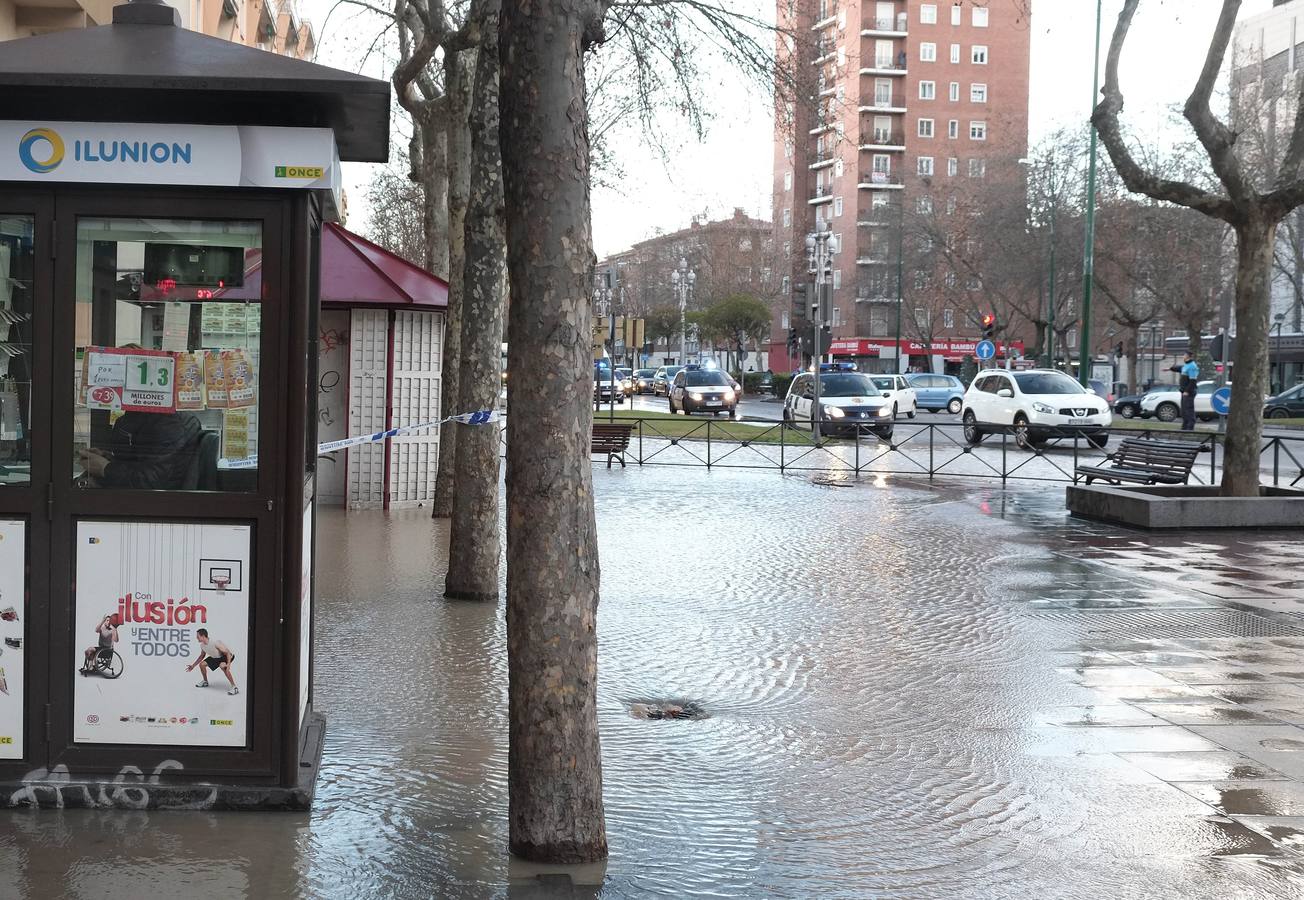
column 1252, row 214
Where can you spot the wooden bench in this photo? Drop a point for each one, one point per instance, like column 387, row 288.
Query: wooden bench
column 611, row 439
column 1146, row 462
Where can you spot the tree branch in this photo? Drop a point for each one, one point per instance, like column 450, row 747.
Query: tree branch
column 1217, row 139
column 1105, row 118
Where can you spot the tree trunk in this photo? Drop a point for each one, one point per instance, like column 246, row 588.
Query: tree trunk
column 554, row 759
column 458, row 73
column 431, row 167
column 473, row 545
column 1254, row 249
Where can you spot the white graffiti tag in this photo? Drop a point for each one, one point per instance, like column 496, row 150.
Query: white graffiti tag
column 130, row 789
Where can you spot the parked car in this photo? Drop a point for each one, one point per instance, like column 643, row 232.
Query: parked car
column 1286, row 405
column 1129, row 407
column 703, row 389
column 938, row 392
column 1038, row 404
column 661, row 380
column 850, row 401
column 896, row 389
column 643, row 381
column 1165, row 403
column 764, row 383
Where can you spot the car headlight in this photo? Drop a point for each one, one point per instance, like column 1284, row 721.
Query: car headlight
column 885, row 410
column 728, row 395
column 695, row 395
column 1043, row 408
column 834, row 412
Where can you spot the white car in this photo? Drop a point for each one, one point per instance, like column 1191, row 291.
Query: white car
column 850, row 402
column 1038, row 404
column 1165, row 404
column 896, row 389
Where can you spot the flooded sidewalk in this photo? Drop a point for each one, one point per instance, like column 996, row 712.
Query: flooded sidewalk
column 906, row 690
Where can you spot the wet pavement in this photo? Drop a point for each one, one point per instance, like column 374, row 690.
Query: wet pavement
column 911, row 690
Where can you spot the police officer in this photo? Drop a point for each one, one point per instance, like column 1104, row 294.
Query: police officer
column 1189, row 372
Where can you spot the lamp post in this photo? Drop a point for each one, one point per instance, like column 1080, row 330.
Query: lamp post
column 1280, row 319
column 1155, row 329
column 820, row 248
column 1089, row 251
column 900, row 267
column 683, row 280
column 603, row 308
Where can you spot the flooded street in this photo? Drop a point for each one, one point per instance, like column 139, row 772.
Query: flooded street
column 910, row 691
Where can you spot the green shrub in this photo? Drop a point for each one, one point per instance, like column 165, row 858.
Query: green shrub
column 781, row 383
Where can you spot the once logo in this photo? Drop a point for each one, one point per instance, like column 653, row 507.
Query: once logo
column 43, row 142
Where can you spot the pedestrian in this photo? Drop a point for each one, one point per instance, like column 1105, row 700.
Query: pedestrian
column 1188, row 381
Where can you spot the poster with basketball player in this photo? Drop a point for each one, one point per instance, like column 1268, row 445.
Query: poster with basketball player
column 162, row 633
column 13, row 618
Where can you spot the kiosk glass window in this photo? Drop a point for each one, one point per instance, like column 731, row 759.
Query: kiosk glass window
column 168, row 326
column 16, row 263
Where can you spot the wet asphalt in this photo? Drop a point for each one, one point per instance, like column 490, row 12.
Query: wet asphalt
column 912, row 690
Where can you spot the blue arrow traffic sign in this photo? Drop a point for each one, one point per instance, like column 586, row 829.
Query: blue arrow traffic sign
column 985, row 350
column 1222, row 400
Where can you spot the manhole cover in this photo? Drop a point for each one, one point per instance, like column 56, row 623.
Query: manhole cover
column 1191, row 623
column 666, row 709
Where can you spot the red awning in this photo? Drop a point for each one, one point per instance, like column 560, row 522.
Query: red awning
column 355, row 272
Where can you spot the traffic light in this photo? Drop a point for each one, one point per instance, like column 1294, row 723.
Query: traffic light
column 989, row 325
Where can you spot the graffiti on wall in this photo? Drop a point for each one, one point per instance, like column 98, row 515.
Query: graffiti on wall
column 130, row 789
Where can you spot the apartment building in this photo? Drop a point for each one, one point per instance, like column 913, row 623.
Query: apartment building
column 892, row 108
column 272, row 25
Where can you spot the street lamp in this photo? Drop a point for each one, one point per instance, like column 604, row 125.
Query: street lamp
column 1155, row 329
column 820, row 248
column 1089, row 251
column 1280, row 319
column 683, row 280
column 1050, row 303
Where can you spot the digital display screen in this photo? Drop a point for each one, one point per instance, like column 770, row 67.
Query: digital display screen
column 188, row 265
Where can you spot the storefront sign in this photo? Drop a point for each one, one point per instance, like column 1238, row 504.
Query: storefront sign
column 162, row 634
column 136, row 153
column 955, row 349
column 13, row 619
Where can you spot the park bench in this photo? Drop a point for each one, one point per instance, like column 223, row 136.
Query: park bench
column 1146, row 462
column 612, row 439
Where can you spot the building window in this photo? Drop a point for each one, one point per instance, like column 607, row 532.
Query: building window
column 924, row 204
column 957, row 14
column 926, row 242
column 953, row 166
column 878, row 319
column 925, row 128
column 842, row 56
column 921, row 316
column 953, row 130
column 955, row 53
column 787, row 181
column 978, row 131
column 787, row 218
column 950, row 279
column 977, row 93
column 878, row 200
column 837, row 310
column 928, row 14
column 836, row 248
column 928, row 52
column 977, row 168
column 925, row 166
column 955, row 93
column 979, row 55
column 921, row 280
column 787, row 150
column 783, row 317
column 837, row 206
column 927, row 90
column 787, row 249
column 785, row 288
column 837, row 278
column 980, row 17
column 973, row 284
column 948, row 318
column 837, row 168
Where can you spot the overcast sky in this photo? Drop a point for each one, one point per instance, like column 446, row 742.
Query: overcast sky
column 732, row 166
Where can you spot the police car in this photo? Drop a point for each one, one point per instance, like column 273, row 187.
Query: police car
column 703, row 388
column 850, row 402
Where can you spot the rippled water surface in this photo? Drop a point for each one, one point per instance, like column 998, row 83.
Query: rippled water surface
column 881, row 721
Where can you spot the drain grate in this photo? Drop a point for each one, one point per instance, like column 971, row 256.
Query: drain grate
column 1191, row 623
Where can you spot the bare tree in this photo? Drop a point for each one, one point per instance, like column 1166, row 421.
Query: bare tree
column 1253, row 215
column 473, row 539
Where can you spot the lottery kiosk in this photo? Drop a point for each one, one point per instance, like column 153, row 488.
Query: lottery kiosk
column 162, row 196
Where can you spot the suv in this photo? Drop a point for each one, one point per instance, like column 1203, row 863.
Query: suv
column 698, row 389
column 1039, row 404
column 850, row 402
column 1165, row 402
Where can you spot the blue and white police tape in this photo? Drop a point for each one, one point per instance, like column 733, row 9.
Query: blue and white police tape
column 482, row 417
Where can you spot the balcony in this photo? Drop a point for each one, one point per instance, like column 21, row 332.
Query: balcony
column 886, row 66
column 875, row 139
column 876, row 102
column 824, row 49
column 823, row 160
column 875, row 180
column 823, row 194
column 873, row 26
